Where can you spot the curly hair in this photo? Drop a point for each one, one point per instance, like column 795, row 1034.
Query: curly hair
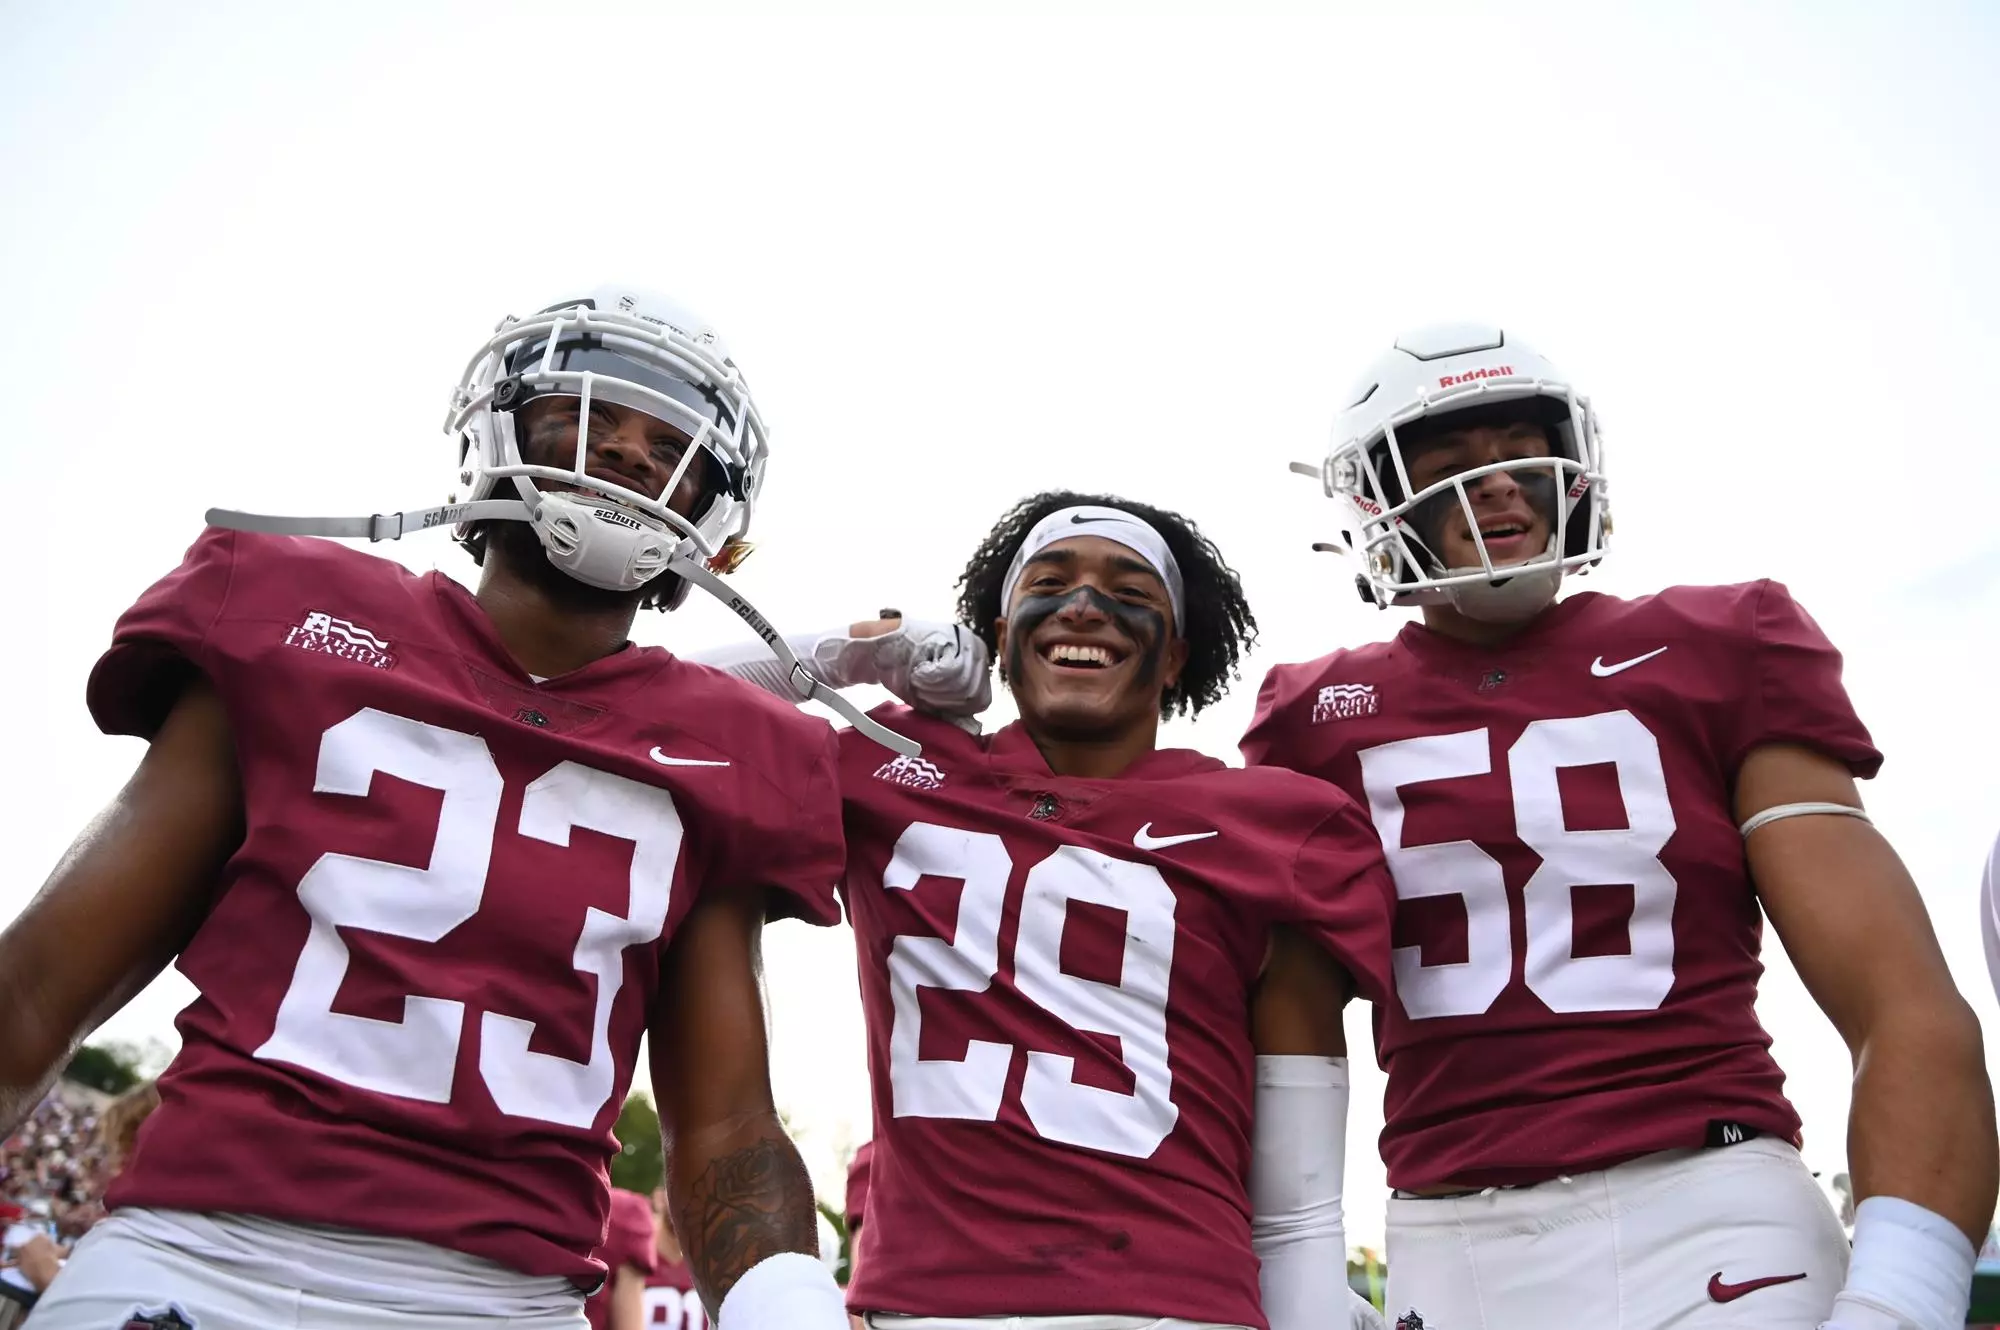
column 1220, row 627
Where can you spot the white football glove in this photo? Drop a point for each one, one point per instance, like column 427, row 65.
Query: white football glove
column 935, row 667
column 1361, row 1314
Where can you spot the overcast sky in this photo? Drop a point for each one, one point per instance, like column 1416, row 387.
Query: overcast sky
column 245, row 250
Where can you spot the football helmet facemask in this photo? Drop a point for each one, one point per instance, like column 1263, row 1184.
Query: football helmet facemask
column 642, row 353
column 1428, row 375
column 638, row 351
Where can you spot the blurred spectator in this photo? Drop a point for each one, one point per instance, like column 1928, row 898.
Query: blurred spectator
column 857, row 1203
column 629, row 1250
column 53, row 1172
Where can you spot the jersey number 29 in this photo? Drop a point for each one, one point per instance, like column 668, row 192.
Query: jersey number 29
column 1134, row 1009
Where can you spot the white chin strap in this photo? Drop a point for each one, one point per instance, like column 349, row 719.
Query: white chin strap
column 579, row 540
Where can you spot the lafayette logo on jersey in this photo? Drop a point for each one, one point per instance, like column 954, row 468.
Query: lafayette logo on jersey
column 911, row 771
column 1345, row 701
column 329, row 636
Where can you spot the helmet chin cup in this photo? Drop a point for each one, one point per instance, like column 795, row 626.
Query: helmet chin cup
column 1510, row 599
column 601, row 543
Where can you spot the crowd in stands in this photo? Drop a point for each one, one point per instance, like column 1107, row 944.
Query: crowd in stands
column 53, row 1172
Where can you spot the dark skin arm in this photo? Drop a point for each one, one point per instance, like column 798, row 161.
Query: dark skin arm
column 1921, row 1125
column 123, row 901
column 1295, row 1010
column 736, row 1188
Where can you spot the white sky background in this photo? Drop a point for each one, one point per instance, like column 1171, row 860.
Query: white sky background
column 246, row 249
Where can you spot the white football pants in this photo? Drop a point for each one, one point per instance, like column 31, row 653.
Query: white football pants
column 882, row 1321
column 1689, row 1239
column 204, row 1272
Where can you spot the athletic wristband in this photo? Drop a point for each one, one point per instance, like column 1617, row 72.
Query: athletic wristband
column 789, row 1291
column 1911, row 1267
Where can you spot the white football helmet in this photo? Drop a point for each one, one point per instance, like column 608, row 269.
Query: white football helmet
column 1435, row 372
column 639, row 351
column 643, row 353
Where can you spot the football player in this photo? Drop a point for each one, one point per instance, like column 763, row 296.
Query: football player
column 856, row 1203
column 630, row 1252
column 436, row 861
column 1103, row 980
column 1589, row 806
column 671, row 1300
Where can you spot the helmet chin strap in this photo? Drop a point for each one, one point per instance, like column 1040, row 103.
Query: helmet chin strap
column 394, row 526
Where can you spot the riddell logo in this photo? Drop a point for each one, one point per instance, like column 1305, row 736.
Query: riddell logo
column 1490, row 372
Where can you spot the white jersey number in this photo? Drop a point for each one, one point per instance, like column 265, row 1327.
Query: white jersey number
column 674, row 1309
column 1638, row 981
column 1134, row 1009
column 416, row 1057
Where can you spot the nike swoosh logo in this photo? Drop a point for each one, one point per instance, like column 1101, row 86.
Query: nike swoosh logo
column 666, row 761
column 1078, row 519
column 1603, row 671
column 1146, row 840
column 1721, row 1292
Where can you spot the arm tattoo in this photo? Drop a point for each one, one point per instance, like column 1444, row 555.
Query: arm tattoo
column 745, row 1206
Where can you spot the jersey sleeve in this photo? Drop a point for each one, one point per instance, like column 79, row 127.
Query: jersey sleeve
column 1796, row 695
column 1262, row 744
column 798, row 850
column 1344, row 897
column 162, row 640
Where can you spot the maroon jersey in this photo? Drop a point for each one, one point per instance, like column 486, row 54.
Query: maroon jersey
column 425, row 976
column 671, row 1300
column 1057, row 975
column 629, row 1240
column 1576, row 941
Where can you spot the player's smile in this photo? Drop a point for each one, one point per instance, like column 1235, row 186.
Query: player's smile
column 627, row 448
column 1512, row 534
column 1513, row 508
column 1086, row 645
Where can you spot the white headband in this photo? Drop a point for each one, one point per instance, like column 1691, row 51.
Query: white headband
column 1112, row 524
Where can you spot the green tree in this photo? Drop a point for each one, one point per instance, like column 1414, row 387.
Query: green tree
column 639, row 1164
column 112, row 1068
column 845, row 1267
